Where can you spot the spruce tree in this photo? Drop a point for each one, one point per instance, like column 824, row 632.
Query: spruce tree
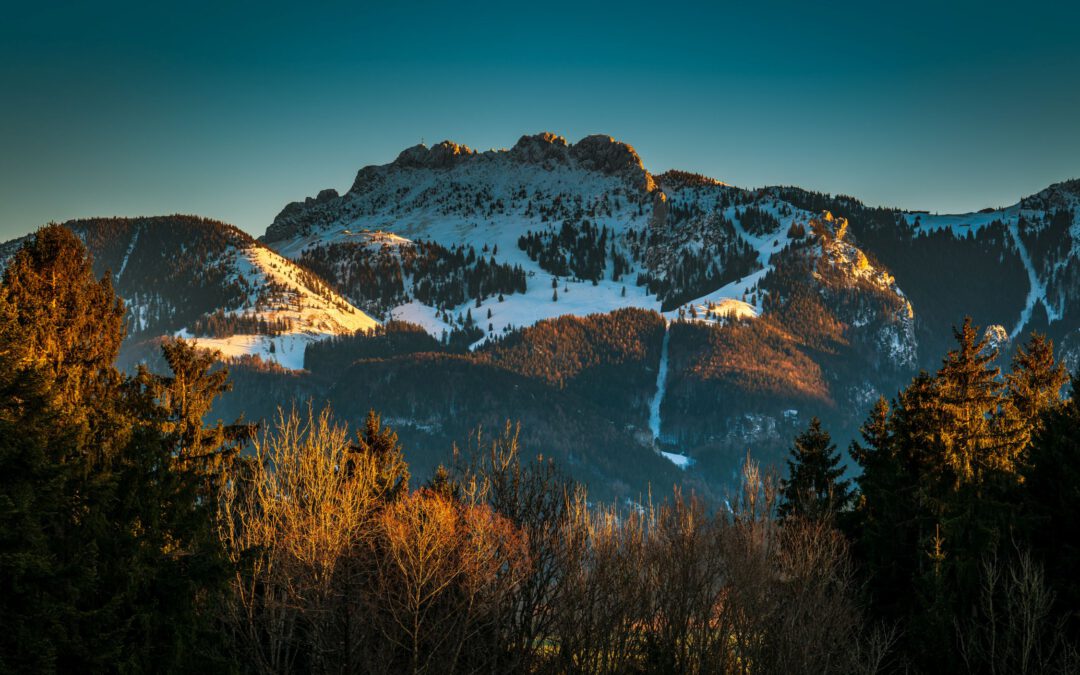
column 969, row 394
column 1051, row 501
column 32, row 495
column 880, row 525
column 1035, row 381
column 814, row 488
column 181, row 401
column 940, row 483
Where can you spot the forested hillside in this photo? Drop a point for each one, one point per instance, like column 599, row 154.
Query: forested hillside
column 532, row 269
column 134, row 536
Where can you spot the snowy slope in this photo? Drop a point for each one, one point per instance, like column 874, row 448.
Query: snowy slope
column 284, row 293
column 1052, row 214
column 452, row 196
column 692, row 248
column 203, row 279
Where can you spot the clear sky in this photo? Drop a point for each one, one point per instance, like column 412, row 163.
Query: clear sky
column 232, row 110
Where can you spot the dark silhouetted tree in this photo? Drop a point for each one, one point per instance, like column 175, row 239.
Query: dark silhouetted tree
column 814, row 487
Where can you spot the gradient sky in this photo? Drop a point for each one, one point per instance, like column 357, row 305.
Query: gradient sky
column 232, row 110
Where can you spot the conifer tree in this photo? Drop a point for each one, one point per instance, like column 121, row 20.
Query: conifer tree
column 1051, row 500
column 814, row 488
column 1035, row 381
column 183, row 399
column 129, row 556
column 69, row 321
column 969, row 394
column 876, row 458
column 32, row 491
column 940, row 482
column 382, row 443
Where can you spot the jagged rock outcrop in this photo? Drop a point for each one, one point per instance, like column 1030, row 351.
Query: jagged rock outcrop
column 452, row 164
column 440, row 156
column 297, row 210
column 546, row 149
column 607, row 155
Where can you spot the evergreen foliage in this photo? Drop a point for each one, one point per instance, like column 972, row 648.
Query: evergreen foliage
column 109, row 558
column 375, row 278
column 814, row 488
column 1050, row 498
column 943, row 477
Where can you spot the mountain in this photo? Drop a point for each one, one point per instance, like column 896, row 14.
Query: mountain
column 203, row 279
column 645, row 328
column 783, row 303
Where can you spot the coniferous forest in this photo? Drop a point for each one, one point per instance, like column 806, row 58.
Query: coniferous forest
column 135, row 537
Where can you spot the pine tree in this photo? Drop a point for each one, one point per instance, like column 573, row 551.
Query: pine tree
column 184, row 399
column 33, row 580
column 875, row 454
column 814, row 488
column 443, row 484
column 940, row 482
column 881, row 525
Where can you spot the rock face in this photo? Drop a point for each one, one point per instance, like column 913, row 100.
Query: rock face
column 606, row 155
column 596, row 155
column 545, row 149
column 298, row 209
column 441, row 156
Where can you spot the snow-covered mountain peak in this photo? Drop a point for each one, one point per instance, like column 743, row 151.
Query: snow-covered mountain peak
column 541, row 176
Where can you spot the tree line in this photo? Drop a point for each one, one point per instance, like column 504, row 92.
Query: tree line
column 376, row 277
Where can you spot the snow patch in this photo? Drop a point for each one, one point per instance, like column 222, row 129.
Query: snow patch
column 679, row 460
column 127, row 254
column 1036, row 288
column 661, row 386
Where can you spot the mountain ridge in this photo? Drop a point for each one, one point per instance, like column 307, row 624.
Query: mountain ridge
column 776, row 304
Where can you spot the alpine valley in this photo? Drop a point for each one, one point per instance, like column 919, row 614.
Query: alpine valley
column 644, row 329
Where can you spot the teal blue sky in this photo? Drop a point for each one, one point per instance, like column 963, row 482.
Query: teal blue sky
column 232, row 110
